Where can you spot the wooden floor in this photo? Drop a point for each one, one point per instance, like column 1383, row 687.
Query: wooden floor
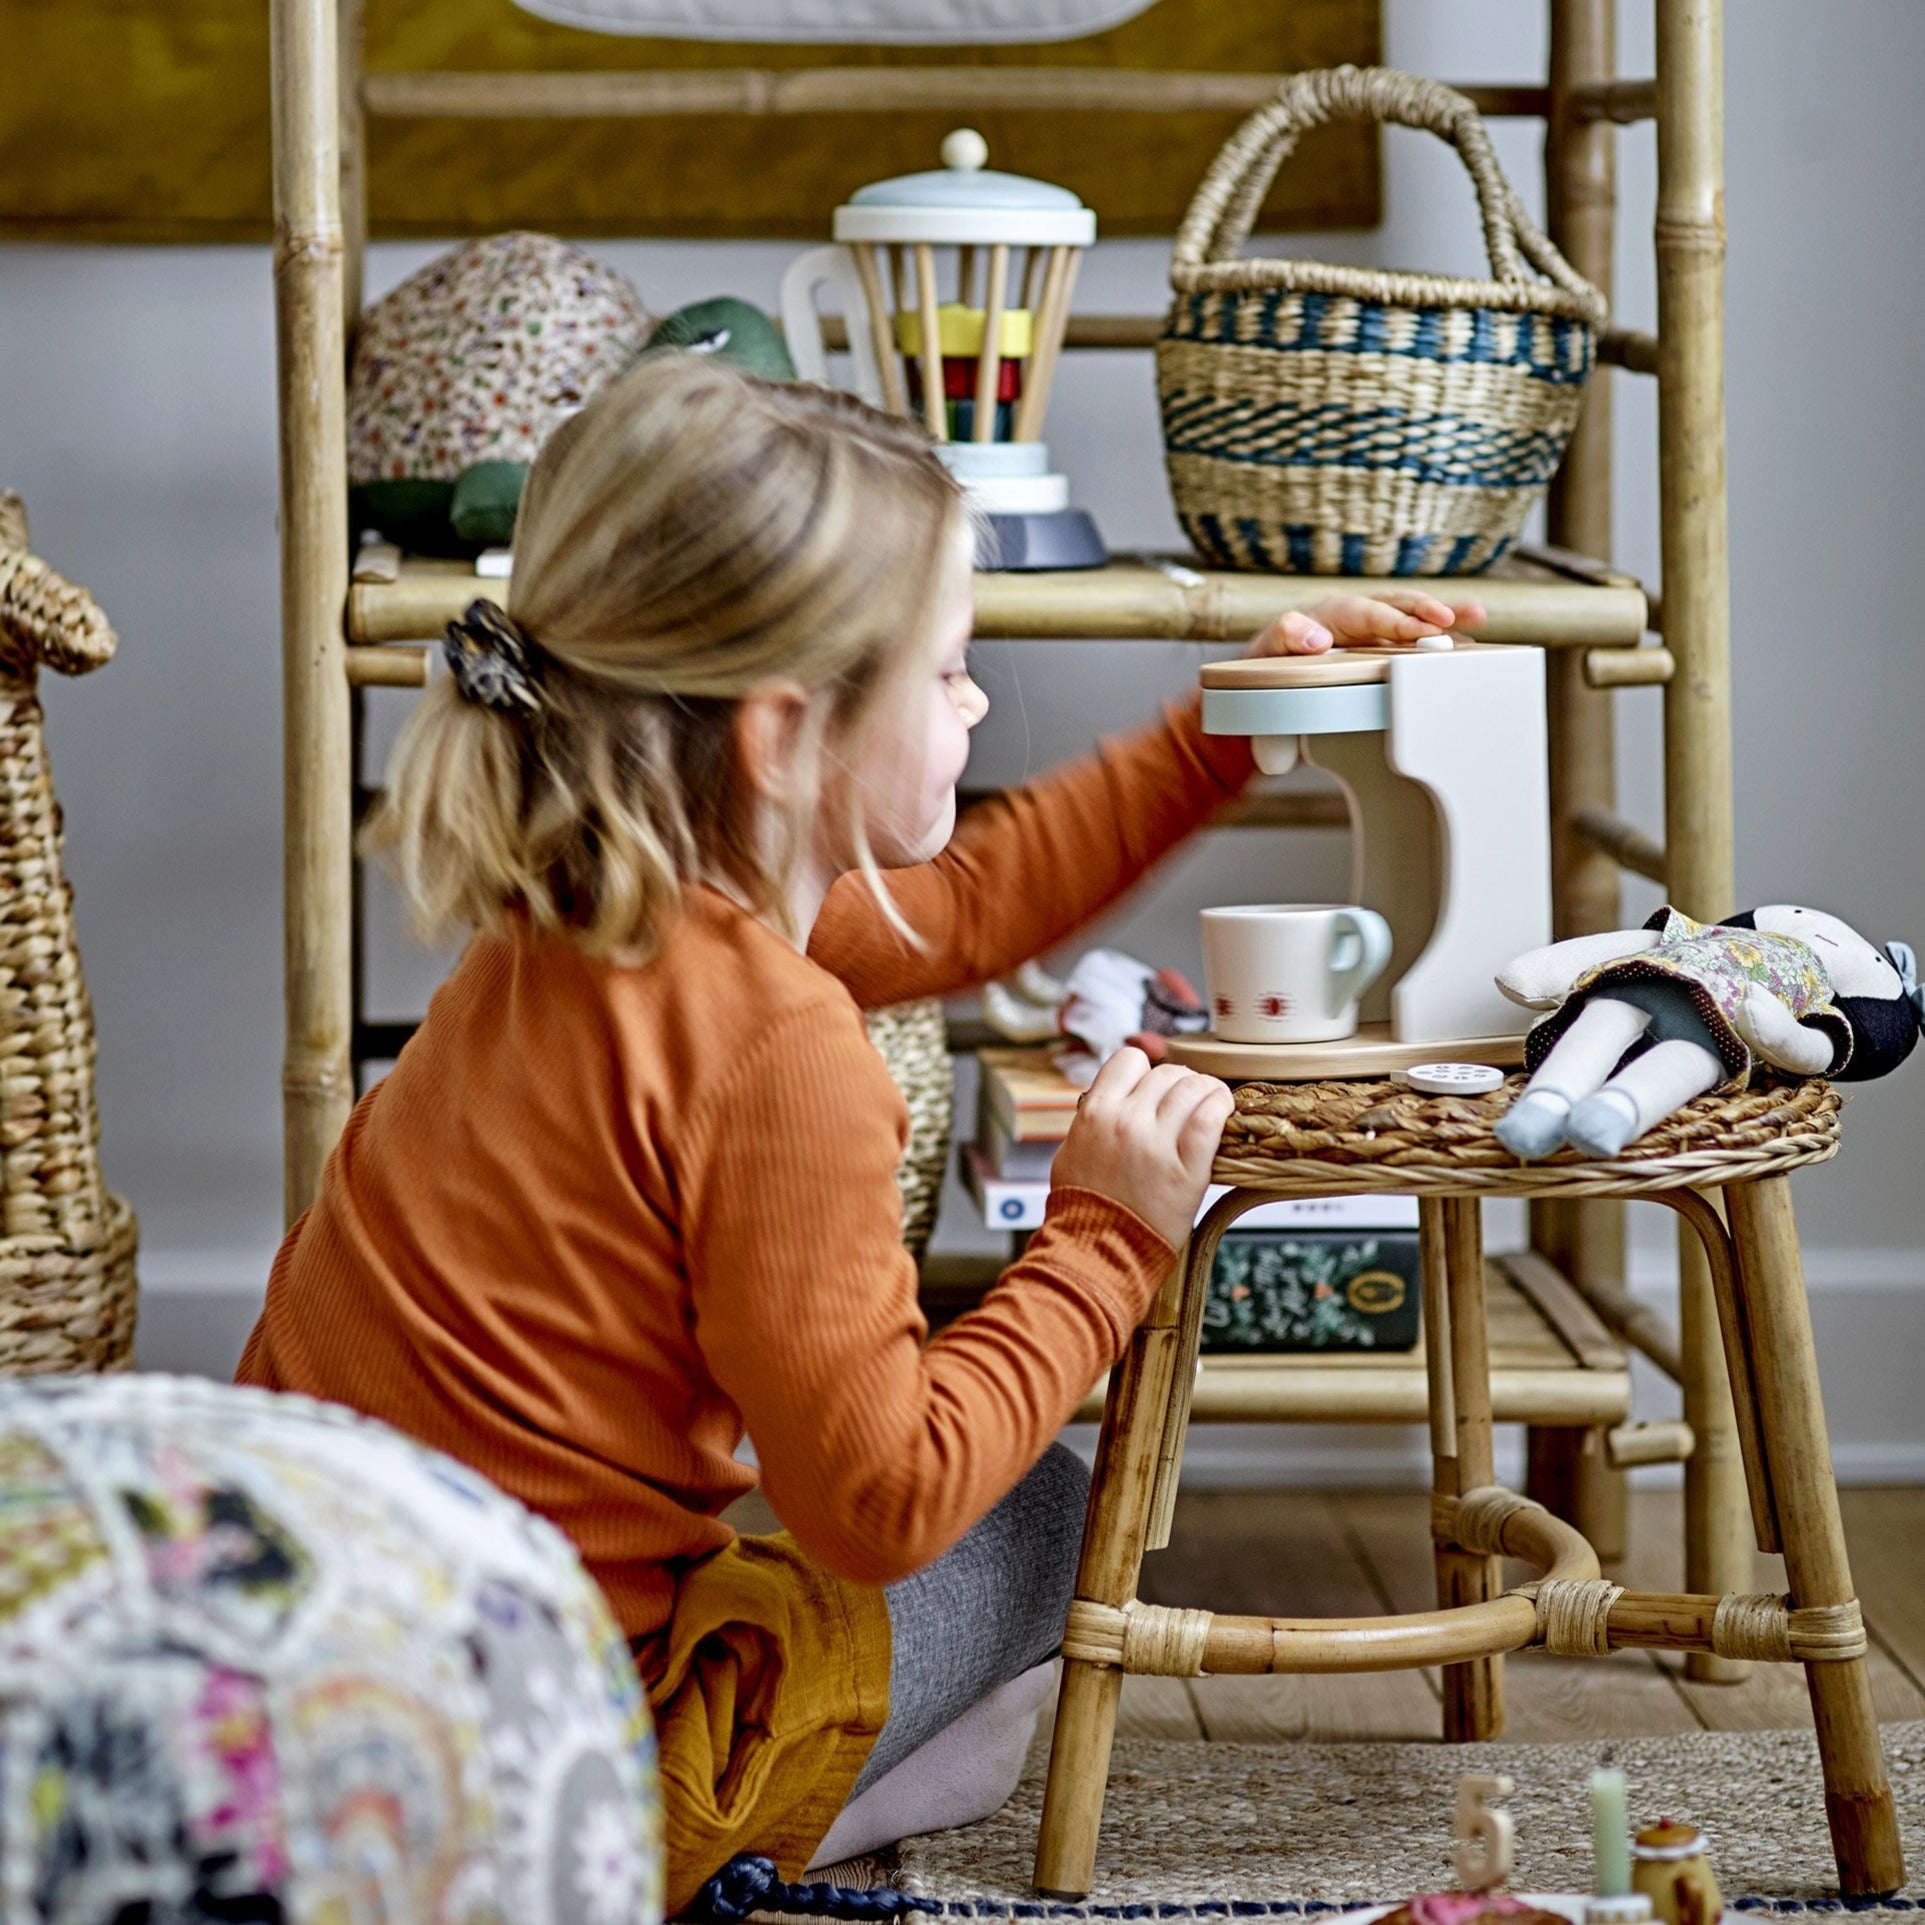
column 1349, row 1554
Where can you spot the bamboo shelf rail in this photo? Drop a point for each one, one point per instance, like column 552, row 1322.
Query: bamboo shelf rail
column 845, row 90
column 1527, row 601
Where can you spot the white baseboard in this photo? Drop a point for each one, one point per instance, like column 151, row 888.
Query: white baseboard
column 1867, row 1307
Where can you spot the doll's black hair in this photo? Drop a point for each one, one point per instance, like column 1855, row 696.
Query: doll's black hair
column 1884, row 1029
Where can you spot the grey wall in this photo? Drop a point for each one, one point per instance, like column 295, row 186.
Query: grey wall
column 137, row 415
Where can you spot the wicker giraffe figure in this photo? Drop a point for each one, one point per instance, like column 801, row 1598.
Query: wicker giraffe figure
column 67, row 1284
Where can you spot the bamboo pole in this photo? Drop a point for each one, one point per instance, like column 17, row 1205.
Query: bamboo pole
column 1633, row 1323
column 351, row 33
column 989, row 364
column 1580, row 165
column 317, row 1080
column 1608, row 668
column 1697, row 700
column 845, row 90
column 1667, row 1442
column 1858, row 1798
column 1474, row 1690
column 929, row 349
column 1624, row 842
column 1626, row 348
column 1584, row 1240
column 1127, row 601
column 387, row 667
column 881, row 333
column 1706, row 1221
column 1622, row 101
column 1121, row 1493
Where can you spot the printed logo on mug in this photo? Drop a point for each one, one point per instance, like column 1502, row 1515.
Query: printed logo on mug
column 1291, row 972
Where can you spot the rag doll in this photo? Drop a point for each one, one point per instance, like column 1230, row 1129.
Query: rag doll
column 1108, row 999
column 1646, row 1019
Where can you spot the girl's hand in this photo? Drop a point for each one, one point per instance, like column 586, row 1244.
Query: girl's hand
column 1146, row 1137
column 1345, row 621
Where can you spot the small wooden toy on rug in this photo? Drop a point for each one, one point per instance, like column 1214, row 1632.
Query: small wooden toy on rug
column 1671, row 1868
column 1612, row 1902
column 1484, row 1859
column 1646, row 1019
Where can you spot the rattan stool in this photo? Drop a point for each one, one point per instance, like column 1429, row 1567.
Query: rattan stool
column 1339, row 1139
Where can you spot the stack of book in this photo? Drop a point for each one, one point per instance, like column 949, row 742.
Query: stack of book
column 1313, row 1273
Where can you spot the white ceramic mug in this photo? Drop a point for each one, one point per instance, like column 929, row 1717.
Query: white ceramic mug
column 1290, row 972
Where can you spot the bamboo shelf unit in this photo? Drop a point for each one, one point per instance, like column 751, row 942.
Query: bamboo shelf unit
column 341, row 637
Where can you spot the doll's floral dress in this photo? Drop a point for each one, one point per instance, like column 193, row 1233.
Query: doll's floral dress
column 1717, row 965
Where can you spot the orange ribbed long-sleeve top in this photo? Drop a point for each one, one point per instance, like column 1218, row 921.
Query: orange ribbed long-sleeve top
column 602, row 1219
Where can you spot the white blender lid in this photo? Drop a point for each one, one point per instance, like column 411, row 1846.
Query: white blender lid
column 965, row 202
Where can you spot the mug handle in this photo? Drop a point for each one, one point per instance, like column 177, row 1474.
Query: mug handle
column 802, row 325
column 1374, row 942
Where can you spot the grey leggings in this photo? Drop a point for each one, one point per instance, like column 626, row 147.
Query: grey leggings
column 989, row 1609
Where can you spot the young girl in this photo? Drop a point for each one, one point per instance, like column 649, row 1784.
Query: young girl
column 629, row 1192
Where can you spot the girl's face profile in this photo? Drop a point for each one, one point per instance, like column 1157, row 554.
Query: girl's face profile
column 916, row 751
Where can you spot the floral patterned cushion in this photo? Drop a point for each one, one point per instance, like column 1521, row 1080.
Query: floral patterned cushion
column 261, row 1660
column 479, row 356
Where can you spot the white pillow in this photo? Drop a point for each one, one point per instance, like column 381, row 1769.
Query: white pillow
column 901, row 22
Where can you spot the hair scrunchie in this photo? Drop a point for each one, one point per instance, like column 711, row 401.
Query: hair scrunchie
column 492, row 661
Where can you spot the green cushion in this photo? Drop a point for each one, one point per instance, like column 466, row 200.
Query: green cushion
column 736, row 330
column 485, row 500
column 411, row 514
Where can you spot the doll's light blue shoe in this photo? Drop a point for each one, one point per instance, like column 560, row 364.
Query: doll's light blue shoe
column 1535, row 1125
column 1603, row 1124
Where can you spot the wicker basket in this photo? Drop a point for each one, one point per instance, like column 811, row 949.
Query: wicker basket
column 67, row 1284
column 1320, row 419
column 914, row 1041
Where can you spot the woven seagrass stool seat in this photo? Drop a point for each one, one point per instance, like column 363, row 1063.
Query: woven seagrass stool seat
column 1345, row 1138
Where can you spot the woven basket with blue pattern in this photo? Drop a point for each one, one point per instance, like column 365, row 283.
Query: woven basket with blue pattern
column 1330, row 420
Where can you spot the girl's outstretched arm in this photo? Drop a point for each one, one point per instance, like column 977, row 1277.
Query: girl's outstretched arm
column 1030, row 867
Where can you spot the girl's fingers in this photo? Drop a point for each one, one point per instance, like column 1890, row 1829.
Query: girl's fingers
column 1293, row 634
column 1202, row 1131
column 1364, row 618
column 1182, row 1095
column 1118, row 1076
column 1466, row 612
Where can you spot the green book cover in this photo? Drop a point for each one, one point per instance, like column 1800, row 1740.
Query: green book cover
column 1276, row 1290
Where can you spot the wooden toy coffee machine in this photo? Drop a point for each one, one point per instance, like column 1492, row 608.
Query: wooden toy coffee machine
column 977, row 377
column 1441, row 758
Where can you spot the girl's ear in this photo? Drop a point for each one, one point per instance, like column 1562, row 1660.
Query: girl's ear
column 770, row 733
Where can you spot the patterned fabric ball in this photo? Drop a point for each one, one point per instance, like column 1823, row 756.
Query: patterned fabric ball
column 480, row 355
column 264, row 1661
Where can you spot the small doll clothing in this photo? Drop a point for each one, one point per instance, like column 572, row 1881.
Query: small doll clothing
column 1717, row 965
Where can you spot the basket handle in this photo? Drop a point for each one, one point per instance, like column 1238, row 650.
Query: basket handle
column 1232, row 193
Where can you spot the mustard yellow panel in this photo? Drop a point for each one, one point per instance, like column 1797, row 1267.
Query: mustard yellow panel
column 147, row 120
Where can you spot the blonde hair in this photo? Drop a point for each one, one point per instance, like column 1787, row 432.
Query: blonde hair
column 692, row 532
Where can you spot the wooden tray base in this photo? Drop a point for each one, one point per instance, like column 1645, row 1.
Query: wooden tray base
column 1371, row 1052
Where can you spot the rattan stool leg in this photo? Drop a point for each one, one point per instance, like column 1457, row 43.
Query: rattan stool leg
column 1784, row 1366
column 1114, row 1540
column 1453, row 1250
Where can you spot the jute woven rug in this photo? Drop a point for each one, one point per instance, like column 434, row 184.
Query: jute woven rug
column 1224, row 1831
